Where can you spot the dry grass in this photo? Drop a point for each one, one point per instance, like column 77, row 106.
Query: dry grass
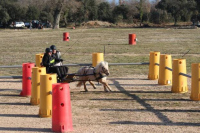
column 19, row 46
column 135, row 105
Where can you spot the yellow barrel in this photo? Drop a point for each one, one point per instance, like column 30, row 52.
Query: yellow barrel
column 195, row 83
column 46, row 82
column 96, row 58
column 165, row 74
column 38, row 59
column 154, row 60
column 179, row 82
column 35, row 84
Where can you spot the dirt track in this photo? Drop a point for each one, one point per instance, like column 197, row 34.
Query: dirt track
column 135, row 105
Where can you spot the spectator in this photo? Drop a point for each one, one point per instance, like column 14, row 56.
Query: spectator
column 30, row 25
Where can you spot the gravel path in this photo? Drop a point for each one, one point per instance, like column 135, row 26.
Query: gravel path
column 135, row 105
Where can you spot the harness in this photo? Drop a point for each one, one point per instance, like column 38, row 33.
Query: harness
column 95, row 75
column 97, row 78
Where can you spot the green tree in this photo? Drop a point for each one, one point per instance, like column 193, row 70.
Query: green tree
column 32, row 13
column 16, row 12
column 10, row 11
column 158, row 16
column 88, row 10
column 104, row 12
column 93, row 10
column 144, row 8
column 72, row 12
column 4, row 16
column 46, row 16
column 120, row 13
column 141, row 11
column 178, row 8
column 198, row 5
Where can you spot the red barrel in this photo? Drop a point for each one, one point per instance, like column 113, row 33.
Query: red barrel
column 61, row 108
column 66, row 36
column 26, row 79
column 132, row 39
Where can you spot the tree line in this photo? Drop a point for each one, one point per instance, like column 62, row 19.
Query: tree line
column 65, row 12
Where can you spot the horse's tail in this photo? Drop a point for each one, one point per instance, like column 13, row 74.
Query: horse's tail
column 79, row 84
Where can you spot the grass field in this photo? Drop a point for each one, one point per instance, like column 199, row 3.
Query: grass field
column 20, row 46
column 135, row 104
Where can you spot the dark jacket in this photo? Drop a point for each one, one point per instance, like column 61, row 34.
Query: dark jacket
column 48, row 61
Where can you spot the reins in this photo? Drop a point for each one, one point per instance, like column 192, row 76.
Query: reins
column 85, row 74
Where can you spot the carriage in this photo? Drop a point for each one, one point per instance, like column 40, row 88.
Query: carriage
column 84, row 74
column 62, row 74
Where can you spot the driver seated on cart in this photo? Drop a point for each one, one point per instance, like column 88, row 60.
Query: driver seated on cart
column 48, row 61
column 56, row 55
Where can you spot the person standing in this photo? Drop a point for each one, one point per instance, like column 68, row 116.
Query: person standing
column 30, row 25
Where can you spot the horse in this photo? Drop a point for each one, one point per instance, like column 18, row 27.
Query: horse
column 97, row 73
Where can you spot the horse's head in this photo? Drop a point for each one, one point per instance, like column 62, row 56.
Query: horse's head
column 103, row 68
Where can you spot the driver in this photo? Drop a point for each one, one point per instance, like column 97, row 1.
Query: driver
column 56, row 55
column 47, row 60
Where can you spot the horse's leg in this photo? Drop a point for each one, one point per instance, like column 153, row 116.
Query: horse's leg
column 86, row 90
column 110, row 89
column 105, row 88
column 93, row 84
column 79, row 84
column 105, row 84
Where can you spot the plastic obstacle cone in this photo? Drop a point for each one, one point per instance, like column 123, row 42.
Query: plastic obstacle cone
column 97, row 58
column 26, row 79
column 46, row 82
column 35, row 89
column 61, row 108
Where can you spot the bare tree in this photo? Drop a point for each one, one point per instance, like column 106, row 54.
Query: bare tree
column 133, row 10
column 72, row 7
column 147, row 9
column 100, row 1
column 60, row 7
column 57, row 6
column 113, row 3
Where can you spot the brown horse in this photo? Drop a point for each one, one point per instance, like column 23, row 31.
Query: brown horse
column 97, row 73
